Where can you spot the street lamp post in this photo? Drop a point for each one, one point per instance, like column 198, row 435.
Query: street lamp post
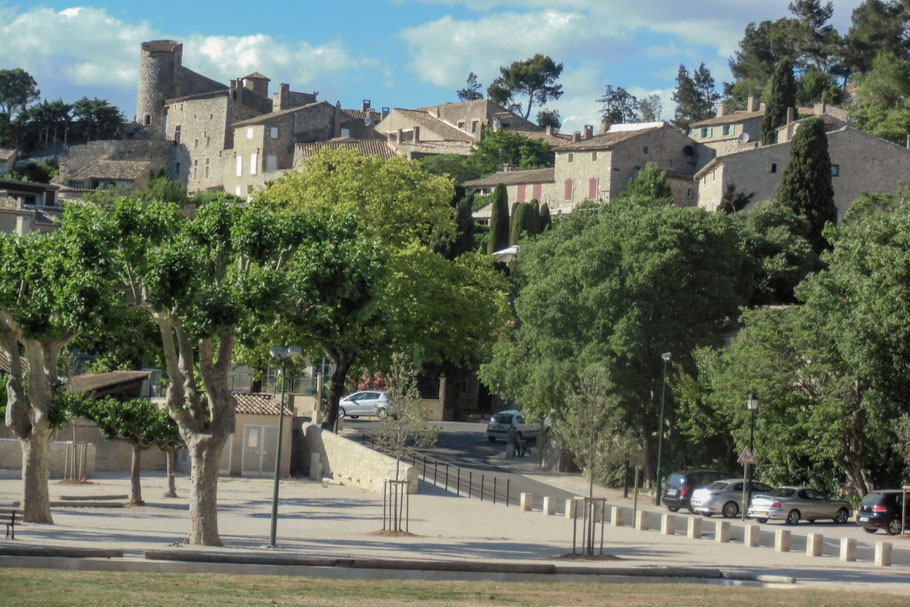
column 752, row 406
column 660, row 426
column 282, row 353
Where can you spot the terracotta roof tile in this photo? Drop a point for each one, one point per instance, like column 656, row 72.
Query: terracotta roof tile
column 8, row 203
column 435, row 125
column 4, row 362
column 732, row 118
column 259, row 404
column 367, row 147
column 605, row 141
column 363, row 114
column 280, row 113
column 462, row 148
column 6, row 154
column 118, row 170
column 513, row 178
column 256, row 76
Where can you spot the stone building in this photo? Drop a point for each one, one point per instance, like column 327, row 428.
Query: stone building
column 7, row 160
column 728, row 132
column 28, row 207
column 106, row 173
column 473, row 117
column 860, row 163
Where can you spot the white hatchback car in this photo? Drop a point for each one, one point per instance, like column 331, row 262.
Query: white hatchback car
column 365, row 402
column 498, row 427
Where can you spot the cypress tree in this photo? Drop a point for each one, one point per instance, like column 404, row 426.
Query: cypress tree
column 781, row 97
column 499, row 220
column 544, row 222
column 519, row 212
column 806, row 183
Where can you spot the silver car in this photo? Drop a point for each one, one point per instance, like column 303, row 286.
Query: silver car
column 365, row 402
column 724, row 497
column 793, row 504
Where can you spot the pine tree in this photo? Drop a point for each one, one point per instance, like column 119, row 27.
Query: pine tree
column 499, row 220
column 782, row 97
column 806, row 184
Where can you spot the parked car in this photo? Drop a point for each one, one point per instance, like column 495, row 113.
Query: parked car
column 793, row 504
column 365, row 402
column 498, row 426
column 723, row 497
column 882, row 509
column 681, row 485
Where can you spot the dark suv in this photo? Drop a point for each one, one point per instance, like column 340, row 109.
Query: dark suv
column 681, row 485
column 882, row 510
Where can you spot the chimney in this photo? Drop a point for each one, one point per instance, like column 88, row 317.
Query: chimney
column 589, row 131
column 507, row 167
column 721, row 109
column 284, row 96
column 576, row 137
column 385, row 112
column 416, row 134
column 366, row 105
column 751, row 105
column 604, row 125
column 791, row 115
column 336, row 126
column 549, row 130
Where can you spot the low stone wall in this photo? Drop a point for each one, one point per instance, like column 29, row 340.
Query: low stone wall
column 60, row 455
column 350, row 463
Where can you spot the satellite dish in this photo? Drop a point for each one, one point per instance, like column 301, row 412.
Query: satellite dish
column 744, row 138
column 689, row 150
column 368, row 120
column 497, row 125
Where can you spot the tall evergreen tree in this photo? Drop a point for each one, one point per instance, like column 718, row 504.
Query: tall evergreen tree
column 544, row 222
column 471, row 91
column 806, row 184
column 499, row 220
column 695, row 96
column 782, row 97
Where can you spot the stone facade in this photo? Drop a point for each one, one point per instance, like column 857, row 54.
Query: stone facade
column 860, row 163
column 473, row 117
column 156, row 152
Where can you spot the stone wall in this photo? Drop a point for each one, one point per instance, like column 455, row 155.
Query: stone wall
column 159, row 153
column 350, row 463
column 202, row 124
column 58, row 457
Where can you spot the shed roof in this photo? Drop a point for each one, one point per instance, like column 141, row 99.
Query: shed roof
column 115, row 170
column 259, row 404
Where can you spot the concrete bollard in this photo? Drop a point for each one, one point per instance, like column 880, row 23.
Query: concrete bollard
column 571, row 508
column 641, row 520
column 782, row 540
column 722, row 532
column 315, row 467
column 847, row 549
column 549, row 506
column 751, row 535
column 667, row 524
column 693, row 528
column 616, row 516
column 882, row 554
column 814, row 544
column 527, row 502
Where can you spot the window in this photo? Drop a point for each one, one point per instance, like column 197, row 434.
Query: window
column 274, row 132
column 568, row 189
column 728, row 129
column 177, row 134
column 705, row 132
column 835, row 170
column 521, row 192
column 473, row 126
column 148, row 120
column 249, row 133
column 195, row 167
column 207, row 140
column 237, row 191
column 688, row 192
column 195, row 143
column 177, row 169
column 592, row 188
column 271, row 163
column 773, row 167
column 461, row 124
column 253, row 158
column 571, row 157
column 206, row 168
column 239, row 166
column 535, row 191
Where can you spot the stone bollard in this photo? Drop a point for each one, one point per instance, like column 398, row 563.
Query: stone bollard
column 315, row 467
column 882, row 554
column 667, row 524
column 527, row 502
column 847, row 549
column 616, row 516
column 722, row 532
column 782, row 540
column 549, row 506
column 752, row 535
column 571, row 508
column 641, row 520
column 693, row 528
column 814, row 544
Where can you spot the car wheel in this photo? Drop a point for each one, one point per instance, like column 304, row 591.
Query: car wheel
column 354, row 416
column 870, row 529
column 673, row 508
column 381, row 413
column 841, row 516
column 730, row 510
column 341, row 412
column 762, row 520
column 894, row 526
column 706, row 514
column 793, row 517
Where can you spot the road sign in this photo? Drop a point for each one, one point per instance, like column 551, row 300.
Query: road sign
column 746, row 457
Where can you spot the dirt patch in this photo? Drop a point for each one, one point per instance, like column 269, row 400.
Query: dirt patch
column 392, row 533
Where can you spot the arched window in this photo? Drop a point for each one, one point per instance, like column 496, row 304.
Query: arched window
column 568, row 189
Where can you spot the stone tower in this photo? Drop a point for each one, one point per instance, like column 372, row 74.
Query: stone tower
column 159, row 66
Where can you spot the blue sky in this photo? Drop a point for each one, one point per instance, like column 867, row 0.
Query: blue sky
column 397, row 53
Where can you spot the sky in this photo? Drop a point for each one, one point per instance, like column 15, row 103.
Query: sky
column 396, row 53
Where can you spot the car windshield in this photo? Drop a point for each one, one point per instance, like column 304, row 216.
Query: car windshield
column 676, row 479
column 718, row 486
column 502, row 418
column 783, row 492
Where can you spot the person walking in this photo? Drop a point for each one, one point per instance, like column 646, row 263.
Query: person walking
column 511, row 441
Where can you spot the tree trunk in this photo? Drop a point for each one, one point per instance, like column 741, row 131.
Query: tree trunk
column 256, row 383
column 171, row 475
column 205, row 455
column 343, row 364
column 36, row 504
column 135, row 468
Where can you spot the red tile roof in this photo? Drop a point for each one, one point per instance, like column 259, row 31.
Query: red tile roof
column 435, row 125
column 259, row 404
column 367, row 147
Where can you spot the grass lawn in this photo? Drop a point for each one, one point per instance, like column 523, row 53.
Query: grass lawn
column 46, row 587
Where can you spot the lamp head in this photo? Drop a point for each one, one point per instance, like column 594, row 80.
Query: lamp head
column 277, row 352
column 665, row 356
column 752, row 402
